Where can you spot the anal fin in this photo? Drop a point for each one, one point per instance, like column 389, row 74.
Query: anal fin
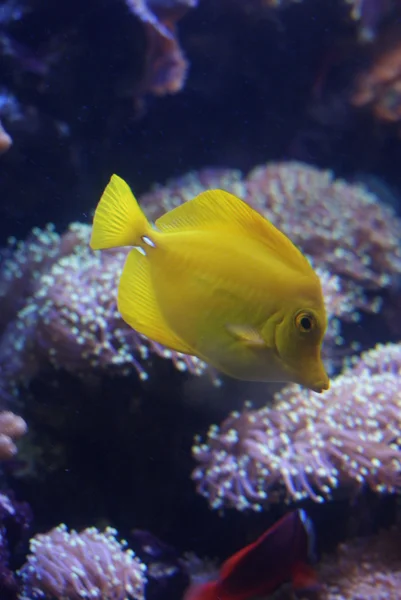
column 138, row 305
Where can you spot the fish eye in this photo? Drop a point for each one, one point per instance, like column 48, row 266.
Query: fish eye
column 305, row 322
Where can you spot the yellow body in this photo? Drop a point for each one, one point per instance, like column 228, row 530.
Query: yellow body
column 216, row 280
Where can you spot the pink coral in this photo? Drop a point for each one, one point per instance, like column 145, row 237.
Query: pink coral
column 60, row 299
column 308, row 444
column 364, row 569
column 88, row 564
column 342, row 226
column 12, row 427
column 78, row 324
column 22, row 263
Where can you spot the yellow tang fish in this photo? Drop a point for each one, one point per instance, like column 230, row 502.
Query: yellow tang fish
column 214, row 279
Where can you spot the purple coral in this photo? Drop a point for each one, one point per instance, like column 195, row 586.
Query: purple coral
column 351, row 238
column 342, row 226
column 12, row 427
column 364, row 569
column 88, row 564
column 79, row 326
column 308, row 444
column 342, row 305
column 59, row 299
column 22, row 264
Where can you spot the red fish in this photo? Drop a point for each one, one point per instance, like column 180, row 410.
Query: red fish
column 280, row 555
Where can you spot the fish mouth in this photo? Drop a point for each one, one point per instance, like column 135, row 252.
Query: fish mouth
column 320, row 386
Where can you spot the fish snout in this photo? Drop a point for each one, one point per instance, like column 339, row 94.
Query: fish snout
column 320, row 386
column 318, row 382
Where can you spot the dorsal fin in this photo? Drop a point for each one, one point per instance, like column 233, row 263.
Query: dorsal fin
column 215, row 209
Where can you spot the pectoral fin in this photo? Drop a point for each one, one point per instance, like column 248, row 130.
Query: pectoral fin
column 138, row 305
column 247, row 334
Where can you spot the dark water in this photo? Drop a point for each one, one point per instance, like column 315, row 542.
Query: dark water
column 192, row 96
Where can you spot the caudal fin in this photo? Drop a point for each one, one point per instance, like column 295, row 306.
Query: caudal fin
column 118, row 219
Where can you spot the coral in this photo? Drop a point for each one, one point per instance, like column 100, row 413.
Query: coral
column 166, row 67
column 10, row 110
column 12, row 427
column 22, row 264
column 365, row 568
column 5, row 140
column 88, row 564
column 48, row 81
column 79, row 326
column 342, row 226
column 57, row 298
column 384, row 358
column 67, row 317
column 341, row 305
column 378, row 89
column 15, row 520
column 8, row 583
column 351, row 238
column 309, row 444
